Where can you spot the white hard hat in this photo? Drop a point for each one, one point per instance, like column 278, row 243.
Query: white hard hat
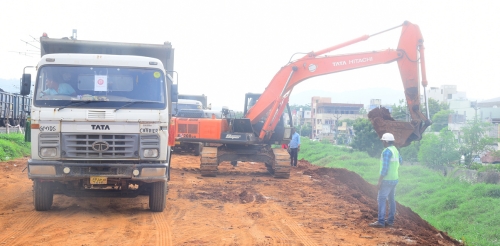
column 387, row 137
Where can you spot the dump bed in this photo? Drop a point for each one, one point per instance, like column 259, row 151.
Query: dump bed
column 164, row 52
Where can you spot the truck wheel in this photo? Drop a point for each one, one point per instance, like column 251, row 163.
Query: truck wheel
column 158, row 196
column 198, row 148
column 42, row 195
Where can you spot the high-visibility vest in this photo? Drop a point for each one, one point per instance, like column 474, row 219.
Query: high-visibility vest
column 392, row 173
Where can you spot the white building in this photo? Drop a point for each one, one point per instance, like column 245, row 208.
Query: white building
column 446, row 93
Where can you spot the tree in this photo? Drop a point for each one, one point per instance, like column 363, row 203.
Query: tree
column 410, row 152
column 304, row 130
column 434, row 107
column 475, row 140
column 440, row 120
column 366, row 139
column 298, row 107
column 399, row 112
column 362, row 111
column 238, row 114
column 438, row 150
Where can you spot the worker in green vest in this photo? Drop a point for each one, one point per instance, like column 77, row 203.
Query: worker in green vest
column 389, row 165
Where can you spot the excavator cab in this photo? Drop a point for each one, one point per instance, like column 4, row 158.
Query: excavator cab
column 281, row 133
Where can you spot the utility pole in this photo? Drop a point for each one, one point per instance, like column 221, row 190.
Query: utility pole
column 475, row 109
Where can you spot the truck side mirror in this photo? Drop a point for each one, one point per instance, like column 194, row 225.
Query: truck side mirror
column 174, row 93
column 26, row 84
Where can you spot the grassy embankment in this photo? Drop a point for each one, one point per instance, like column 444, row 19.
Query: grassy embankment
column 468, row 212
column 13, row 146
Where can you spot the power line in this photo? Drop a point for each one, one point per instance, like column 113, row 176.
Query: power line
column 30, row 44
column 34, row 39
column 23, row 53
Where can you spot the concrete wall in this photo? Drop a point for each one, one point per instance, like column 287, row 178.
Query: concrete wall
column 472, row 176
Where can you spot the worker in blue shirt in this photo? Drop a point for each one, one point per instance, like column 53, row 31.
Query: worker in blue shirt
column 54, row 88
column 294, row 147
column 389, row 166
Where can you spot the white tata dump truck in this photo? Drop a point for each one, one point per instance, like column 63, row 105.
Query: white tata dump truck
column 99, row 120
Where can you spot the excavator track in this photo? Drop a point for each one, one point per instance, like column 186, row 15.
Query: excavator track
column 281, row 166
column 209, row 165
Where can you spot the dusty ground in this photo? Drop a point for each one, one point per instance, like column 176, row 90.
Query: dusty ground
column 242, row 206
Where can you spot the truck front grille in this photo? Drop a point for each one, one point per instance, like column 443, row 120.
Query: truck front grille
column 98, row 146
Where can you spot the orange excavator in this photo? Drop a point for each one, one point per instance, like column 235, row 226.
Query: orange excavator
column 250, row 138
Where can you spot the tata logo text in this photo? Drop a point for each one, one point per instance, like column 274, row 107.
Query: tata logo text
column 353, row 61
column 100, row 127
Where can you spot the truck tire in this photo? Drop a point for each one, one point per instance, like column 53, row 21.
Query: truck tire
column 43, row 195
column 158, row 196
column 198, row 148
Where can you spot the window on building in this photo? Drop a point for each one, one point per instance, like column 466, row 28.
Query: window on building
column 449, row 96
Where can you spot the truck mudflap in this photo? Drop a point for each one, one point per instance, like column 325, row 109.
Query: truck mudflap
column 404, row 132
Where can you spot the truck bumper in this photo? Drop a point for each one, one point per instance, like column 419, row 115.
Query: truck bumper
column 67, row 170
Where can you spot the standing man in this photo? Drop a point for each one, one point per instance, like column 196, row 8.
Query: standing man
column 294, row 146
column 389, row 165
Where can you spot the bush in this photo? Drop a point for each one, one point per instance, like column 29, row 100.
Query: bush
column 13, row 146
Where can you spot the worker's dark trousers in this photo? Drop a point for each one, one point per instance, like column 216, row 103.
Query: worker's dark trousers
column 293, row 157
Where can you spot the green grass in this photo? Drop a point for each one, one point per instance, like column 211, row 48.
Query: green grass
column 13, row 146
column 469, row 212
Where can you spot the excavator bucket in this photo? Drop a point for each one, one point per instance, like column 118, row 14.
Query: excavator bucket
column 404, row 132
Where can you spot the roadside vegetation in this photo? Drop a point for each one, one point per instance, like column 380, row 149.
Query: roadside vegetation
column 13, row 146
column 467, row 212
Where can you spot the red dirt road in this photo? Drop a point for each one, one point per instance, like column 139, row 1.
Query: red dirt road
column 241, row 206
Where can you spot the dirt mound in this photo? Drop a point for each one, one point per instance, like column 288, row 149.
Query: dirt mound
column 355, row 189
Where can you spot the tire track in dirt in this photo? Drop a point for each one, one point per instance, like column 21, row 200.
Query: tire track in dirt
column 281, row 238
column 164, row 235
column 19, row 229
column 293, row 226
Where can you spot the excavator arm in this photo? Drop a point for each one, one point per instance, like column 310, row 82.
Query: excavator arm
column 410, row 58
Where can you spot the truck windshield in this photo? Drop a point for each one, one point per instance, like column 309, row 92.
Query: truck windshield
column 109, row 87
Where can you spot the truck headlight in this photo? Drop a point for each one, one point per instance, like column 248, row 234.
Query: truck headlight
column 150, row 153
column 48, row 152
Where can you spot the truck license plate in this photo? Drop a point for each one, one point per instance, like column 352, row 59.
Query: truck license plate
column 98, row 180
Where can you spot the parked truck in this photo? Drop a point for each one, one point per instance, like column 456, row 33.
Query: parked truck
column 192, row 106
column 99, row 120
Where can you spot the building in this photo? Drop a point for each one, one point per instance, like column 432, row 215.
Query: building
column 325, row 116
column 465, row 110
column 446, row 93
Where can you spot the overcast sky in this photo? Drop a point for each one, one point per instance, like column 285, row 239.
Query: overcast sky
column 224, row 49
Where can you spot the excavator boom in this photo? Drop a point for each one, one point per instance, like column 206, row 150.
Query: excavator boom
column 409, row 56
